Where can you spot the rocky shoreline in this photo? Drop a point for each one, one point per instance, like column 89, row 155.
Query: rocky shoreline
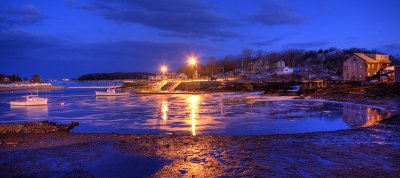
column 19, row 88
column 35, row 127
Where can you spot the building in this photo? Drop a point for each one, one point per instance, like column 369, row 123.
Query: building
column 170, row 76
column 284, row 71
column 280, row 66
column 360, row 66
column 5, row 79
column 397, row 73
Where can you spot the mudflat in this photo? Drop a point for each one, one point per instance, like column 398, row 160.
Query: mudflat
column 373, row 151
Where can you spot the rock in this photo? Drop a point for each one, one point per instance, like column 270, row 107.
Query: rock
column 72, row 125
column 11, row 142
column 394, row 120
column 300, row 97
column 36, row 127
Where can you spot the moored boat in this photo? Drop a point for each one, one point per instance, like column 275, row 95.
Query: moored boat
column 30, row 100
column 111, row 92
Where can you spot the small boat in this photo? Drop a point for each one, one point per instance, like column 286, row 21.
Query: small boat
column 30, row 100
column 111, row 92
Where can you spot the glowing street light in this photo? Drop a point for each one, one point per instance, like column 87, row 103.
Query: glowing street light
column 163, row 70
column 193, row 62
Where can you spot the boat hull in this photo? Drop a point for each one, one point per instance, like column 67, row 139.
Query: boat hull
column 39, row 102
column 99, row 93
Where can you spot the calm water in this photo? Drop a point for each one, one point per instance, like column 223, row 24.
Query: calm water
column 188, row 114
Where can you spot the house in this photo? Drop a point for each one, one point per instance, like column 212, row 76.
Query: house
column 285, row 71
column 360, row 66
column 388, row 74
column 280, row 65
column 5, row 79
column 257, row 66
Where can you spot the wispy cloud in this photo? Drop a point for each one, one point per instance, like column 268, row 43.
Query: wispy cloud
column 57, row 55
column 26, row 15
column 181, row 18
column 393, row 48
column 268, row 42
column 274, row 13
column 311, row 44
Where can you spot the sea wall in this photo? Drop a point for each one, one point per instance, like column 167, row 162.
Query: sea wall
column 198, row 85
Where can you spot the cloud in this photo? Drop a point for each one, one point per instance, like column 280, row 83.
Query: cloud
column 393, row 48
column 277, row 14
column 267, row 42
column 22, row 51
column 26, row 15
column 312, row 44
column 181, row 18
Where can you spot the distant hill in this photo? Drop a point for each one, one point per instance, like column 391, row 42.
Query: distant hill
column 114, row 76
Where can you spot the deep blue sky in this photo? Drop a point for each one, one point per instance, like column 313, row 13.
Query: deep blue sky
column 67, row 38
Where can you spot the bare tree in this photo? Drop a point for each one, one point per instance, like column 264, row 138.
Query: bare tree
column 211, row 66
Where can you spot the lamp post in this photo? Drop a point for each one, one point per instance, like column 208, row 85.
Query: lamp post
column 163, row 70
column 193, row 62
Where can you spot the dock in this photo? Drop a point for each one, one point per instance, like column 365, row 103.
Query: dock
column 169, row 92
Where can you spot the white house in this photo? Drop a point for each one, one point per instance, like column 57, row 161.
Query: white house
column 285, row 71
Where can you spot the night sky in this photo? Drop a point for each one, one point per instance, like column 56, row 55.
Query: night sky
column 62, row 39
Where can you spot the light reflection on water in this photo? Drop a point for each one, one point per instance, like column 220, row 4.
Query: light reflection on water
column 189, row 114
column 194, row 107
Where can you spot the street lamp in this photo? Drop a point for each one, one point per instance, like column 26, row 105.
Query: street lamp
column 163, row 70
column 193, row 62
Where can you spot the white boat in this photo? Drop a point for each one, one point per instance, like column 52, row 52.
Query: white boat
column 30, row 100
column 111, row 92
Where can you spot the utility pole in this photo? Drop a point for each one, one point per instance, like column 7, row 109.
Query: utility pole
column 242, row 66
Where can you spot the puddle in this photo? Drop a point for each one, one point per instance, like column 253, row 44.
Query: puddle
column 117, row 164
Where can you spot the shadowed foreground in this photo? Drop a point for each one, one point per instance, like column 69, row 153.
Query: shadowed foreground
column 371, row 151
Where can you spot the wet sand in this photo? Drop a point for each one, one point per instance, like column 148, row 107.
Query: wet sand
column 362, row 152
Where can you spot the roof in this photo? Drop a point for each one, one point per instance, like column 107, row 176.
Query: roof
column 369, row 59
column 391, row 68
column 366, row 58
column 26, row 96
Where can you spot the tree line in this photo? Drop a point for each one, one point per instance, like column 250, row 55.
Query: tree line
column 16, row 78
column 317, row 61
column 115, row 76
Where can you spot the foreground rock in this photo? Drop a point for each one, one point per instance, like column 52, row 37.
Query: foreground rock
column 36, row 127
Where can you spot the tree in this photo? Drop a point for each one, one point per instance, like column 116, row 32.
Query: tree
column 36, row 78
column 15, row 78
column 272, row 58
column 190, row 70
column 211, row 66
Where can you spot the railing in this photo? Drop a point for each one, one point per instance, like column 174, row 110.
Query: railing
column 176, row 84
column 162, row 83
